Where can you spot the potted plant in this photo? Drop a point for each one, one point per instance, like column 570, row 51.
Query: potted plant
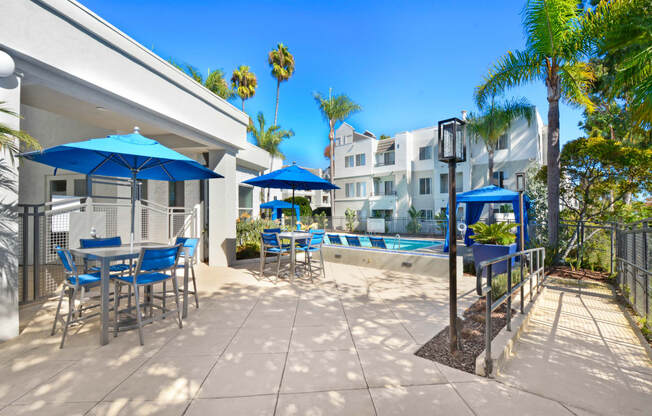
column 492, row 241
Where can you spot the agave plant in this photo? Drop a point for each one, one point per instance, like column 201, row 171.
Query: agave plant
column 497, row 233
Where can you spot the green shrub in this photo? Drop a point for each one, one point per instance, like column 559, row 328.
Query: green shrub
column 350, row 219
column 499, row 282
column 248, row 231
column 304, row 206
column 497, row 233
column 414, row 226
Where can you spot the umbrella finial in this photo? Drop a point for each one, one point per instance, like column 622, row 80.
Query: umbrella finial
column 136, row 130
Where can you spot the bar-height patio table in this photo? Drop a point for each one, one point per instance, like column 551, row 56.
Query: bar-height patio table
column 293, row 236
column 106, row 255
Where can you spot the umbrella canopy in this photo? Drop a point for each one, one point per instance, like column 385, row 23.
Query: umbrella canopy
column 291, row 177
column 126, row 156
column 277, row 207
column 123, row 156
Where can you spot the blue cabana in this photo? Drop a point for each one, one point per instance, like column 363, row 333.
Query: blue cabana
column 475, row 201
column 278, row 206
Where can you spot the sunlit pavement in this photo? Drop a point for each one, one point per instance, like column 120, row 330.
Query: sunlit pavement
column 336, row 346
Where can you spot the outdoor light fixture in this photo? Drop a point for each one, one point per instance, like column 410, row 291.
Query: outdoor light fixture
column 7, row 65
column 520, row 181
column 452, row 150
column 451, row 142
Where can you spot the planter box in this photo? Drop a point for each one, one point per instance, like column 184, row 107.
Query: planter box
column 482, row 252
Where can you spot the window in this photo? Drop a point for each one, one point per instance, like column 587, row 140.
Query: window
column 58, row 187
column 80, row 187
column 324, row 199
column 389, row 187
column 424, row 186
column 503, row 142
column 426, row 214
column 425, row 153
column 384, row 159
column 361, row 189
column 338, row 141
column 348, row 161
column 382, row 213
column 245, row 200
column 360, row 159
column 349, row 190
column 443, row 182
column 499, row 178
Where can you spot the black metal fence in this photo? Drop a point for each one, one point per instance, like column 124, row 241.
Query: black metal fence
column 587, row 245
column 417, row 227
column 633, row 259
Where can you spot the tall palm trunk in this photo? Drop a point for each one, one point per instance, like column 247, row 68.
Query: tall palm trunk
column 278, row 87
column 490, row 168
column 331, row 139
column 554, row 92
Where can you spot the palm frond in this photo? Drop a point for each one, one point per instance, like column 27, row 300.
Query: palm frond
column 10, row 139
column 551, row 26
column 244, row 82
column 511, row 70
column 576, row 80
column 282, row 63
column 336, row 108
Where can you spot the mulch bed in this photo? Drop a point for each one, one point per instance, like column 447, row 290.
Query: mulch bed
column 471, row 338
column 583, row 274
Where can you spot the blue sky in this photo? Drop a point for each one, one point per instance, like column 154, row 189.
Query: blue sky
column 408, row 64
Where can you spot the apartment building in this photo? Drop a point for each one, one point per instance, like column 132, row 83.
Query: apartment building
column 386, row 177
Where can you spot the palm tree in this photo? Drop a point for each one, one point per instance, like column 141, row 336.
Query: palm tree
column 216, row 82
column 282, row 63
column 553, row 54
column 269, row 139
column 494, row 120
column 9, row 136
column 244, row 83
column 334, row 108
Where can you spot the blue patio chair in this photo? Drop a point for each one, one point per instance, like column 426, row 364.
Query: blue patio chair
column 104, row 242
column 271, row 244
column 334, row 239
column 74, row 285
column 152, row 268
column 272, row 230
column 190, row 244
column 377, row 242
column 314, row 246
column 353, row 240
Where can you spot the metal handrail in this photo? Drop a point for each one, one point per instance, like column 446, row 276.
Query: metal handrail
column 485, row 290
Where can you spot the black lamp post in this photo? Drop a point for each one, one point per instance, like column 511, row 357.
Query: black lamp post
column 452, row 149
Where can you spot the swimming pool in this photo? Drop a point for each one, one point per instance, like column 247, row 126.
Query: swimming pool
column 393, row 243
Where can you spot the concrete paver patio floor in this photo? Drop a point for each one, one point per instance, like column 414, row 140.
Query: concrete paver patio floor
column 581, row 350
column 339, row 346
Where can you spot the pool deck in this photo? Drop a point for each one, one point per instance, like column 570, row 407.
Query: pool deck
column 339, row 346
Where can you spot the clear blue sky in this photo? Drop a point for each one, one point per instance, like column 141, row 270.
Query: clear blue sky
column 408, row 64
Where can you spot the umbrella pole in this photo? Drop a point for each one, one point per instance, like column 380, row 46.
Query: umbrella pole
column 294, row 225
column 133, row 207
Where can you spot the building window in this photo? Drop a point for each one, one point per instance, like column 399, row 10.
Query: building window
column 324, row 199
column 245, row 200
column 425, row 153
column 338, row 141
column 503, row 142
column 350, row 190
column 360, row 159
column 80, row 187
column 348, row 161
column 386, row 158
column 443, row 182
column 58, row 187
column 361, row 189
column 382, row 213
column 424, row 186
column 389, row 187
column 426, row 214
column 499, row 178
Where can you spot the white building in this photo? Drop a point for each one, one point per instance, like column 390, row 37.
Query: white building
column 77, row 77
column 386, row 177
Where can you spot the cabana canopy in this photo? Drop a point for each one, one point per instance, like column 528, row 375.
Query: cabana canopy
column 278, row 206
column 475, row 201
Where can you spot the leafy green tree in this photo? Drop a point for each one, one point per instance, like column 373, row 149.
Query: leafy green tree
column 414, row 226
column 244, row 83
column 350, row 219
column 554, row 52
column 334, row 109
column 9, row 136
column 282, row 63
column 304, row 206
column 216, row 82
column 269, row 139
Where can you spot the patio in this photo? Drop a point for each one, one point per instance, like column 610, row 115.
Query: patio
column 340, row 346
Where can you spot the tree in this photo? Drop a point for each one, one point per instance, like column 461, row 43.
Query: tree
column 282, row 63
column 350, row 219
column 555, row 46
column 244, row 83
column 9, row 136
column 304, row 206
column 384, row 137
column 494, row 120
column 333, row 109
column 414, row 226
column 269, row 139
column 216, row 82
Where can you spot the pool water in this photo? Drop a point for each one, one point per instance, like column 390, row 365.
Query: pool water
column 393, row 244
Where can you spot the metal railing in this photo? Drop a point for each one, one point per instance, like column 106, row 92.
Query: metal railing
column 633, row 261
column 43, row 227
column 535, row 259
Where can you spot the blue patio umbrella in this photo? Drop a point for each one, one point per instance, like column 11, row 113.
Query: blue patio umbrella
column 124, row 156
column 278, row 206
column 292, row 177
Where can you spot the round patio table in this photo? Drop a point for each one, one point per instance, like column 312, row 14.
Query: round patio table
column 293, row 236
